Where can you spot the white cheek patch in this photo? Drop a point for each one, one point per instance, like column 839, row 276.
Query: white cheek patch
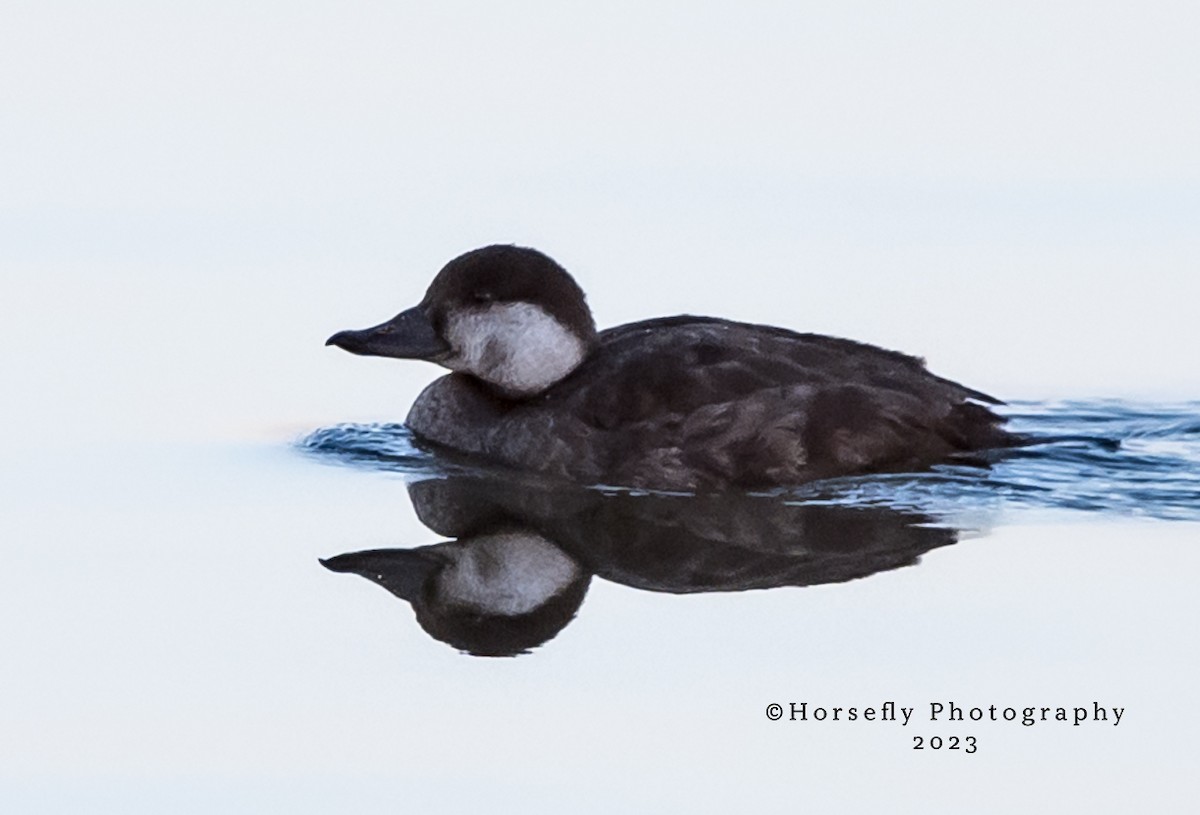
column 509, row 574
column 518, row 347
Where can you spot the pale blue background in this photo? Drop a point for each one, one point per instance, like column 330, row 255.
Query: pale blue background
column 193, row 196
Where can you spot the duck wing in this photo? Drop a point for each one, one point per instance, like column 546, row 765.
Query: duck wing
column 692, row 401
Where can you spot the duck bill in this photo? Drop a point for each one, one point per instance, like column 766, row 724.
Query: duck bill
column 408, row 335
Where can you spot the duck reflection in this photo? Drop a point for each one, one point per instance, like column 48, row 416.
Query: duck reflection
column 524, row 554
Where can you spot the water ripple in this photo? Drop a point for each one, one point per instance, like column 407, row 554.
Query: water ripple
column 1100, row 456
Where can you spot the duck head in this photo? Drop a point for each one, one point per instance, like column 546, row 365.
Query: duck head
column 507, row 315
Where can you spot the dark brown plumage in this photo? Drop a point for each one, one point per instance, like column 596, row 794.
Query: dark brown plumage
column 677, row 403
column 696, row 403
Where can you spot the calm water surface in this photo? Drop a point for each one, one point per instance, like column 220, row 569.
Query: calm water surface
column 174, row 642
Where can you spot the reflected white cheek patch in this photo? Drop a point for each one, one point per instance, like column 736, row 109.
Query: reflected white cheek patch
column 509, row 574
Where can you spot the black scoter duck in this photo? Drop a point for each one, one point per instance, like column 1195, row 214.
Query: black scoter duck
column 675, row 403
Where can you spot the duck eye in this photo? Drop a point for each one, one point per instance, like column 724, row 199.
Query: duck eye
column 483, row 297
